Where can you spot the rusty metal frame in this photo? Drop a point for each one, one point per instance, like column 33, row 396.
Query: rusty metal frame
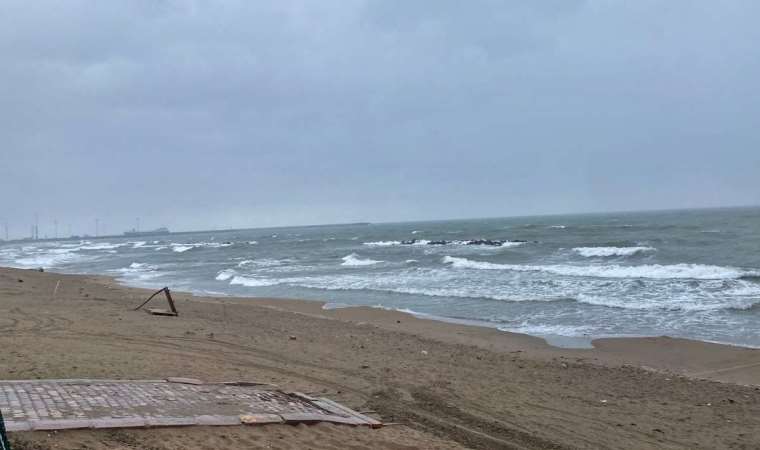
column 161, row 312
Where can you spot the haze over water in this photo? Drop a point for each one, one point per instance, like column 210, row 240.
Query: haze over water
column 692, row 274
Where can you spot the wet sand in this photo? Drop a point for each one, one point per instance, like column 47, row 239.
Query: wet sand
column 445, row 385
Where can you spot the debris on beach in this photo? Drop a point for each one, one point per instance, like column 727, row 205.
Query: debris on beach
column 171, row 402
column 158, row 311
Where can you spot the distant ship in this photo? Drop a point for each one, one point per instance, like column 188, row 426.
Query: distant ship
column 133, row 232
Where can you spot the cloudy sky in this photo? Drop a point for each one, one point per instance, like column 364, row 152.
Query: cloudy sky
column 210, row 114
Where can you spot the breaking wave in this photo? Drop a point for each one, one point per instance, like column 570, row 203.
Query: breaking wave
column 253, row 282
column 382, row 243
column 140, row 271
column 670, row 304
column 490, row 243
column 354, row 260
column 226, row 274
column 590, row 252
column 99, row 246
column 46, row 260
column 654, row 271
column 181, row 248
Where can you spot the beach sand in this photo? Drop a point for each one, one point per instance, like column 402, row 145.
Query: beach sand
column 445, row 386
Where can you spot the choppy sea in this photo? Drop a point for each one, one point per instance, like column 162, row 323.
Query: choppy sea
column 570, row 279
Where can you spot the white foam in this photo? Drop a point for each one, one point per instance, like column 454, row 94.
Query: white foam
column 654, row 271
column 354, row 260
column 137, row 267
column 558, row 227
column 46, row 260
column 139, row 271
column 253, row 282
column 542, row 329
column 260, row 263
column 673, row 302
column 508, row 244
column 383, row 243
column 226, row 274
column 181, row 248
column 425, row 242
column 744, row 288
column 213, row 244
column 101, row 246
column 590, row 252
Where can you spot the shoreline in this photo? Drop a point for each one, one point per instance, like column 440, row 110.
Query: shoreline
column 450, row 386
column 651, row 352
column 560, row 290
column 641, row 351
column 557, row 341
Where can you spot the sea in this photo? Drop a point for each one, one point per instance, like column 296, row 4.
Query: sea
column 569, row 279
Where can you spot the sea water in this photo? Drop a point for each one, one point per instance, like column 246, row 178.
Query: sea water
column 693, row 274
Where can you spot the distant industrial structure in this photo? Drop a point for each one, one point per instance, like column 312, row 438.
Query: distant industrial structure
column 135, row 232
column 51, row 231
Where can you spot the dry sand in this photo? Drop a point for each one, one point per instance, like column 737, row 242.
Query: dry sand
column 449, row 386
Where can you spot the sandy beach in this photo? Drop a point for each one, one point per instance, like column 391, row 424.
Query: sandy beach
column 441, row 385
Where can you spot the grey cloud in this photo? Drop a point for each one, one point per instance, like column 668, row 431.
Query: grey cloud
column 232, row 113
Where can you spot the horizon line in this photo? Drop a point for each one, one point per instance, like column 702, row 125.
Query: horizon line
column 629, row 211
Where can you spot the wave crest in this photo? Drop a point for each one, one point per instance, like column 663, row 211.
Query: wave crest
column 591, row 252
column 225, row 274
column 253, row 282
column 654, row 271
column 354, row 260
column 382, row 243
column 492, row 243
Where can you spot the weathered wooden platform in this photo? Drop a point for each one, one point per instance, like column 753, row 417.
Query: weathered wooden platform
column 70, row 404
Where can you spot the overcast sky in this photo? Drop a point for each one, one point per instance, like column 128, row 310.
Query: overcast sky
column 210, row 114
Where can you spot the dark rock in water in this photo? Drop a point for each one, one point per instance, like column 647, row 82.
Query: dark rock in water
column 493, row 243
column 488, row 242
